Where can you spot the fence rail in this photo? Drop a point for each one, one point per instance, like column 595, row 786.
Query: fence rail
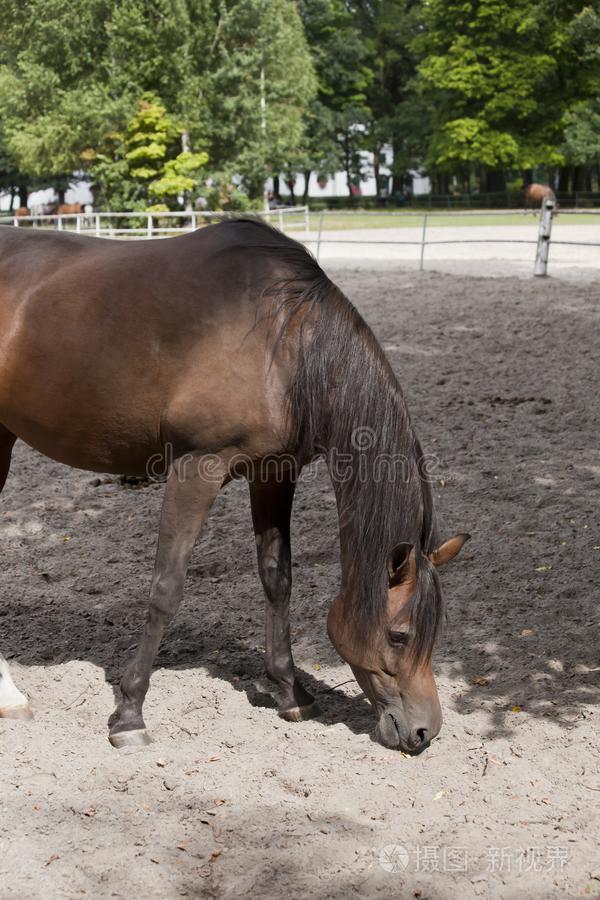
column 547, row 214
column 152, row 224
column 298, row 219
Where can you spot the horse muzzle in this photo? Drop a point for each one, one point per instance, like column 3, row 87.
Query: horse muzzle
column 394, row 731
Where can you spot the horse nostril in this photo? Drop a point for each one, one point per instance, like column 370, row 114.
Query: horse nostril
column 422, row 735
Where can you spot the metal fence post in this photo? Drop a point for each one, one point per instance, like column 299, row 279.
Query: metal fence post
column 306, row 220
column 97, row 218
column 149, row 229
column 544, row 234
column 423, row 242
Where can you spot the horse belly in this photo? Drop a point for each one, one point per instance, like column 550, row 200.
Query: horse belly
column 76, row 406
column 99, row 444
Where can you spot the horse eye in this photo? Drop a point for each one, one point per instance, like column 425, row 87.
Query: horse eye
column 398, row 638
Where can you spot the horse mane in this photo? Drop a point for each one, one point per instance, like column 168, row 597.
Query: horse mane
column 346, row 403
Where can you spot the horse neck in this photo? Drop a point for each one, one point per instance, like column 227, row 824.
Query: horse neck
column 346, row 403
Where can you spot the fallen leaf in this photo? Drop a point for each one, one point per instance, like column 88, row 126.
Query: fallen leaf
column 441, row 794
column 481, row 681
column 516, row 709
column 52, row 859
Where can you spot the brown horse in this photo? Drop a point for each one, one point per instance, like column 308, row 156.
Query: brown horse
column 535, row 194
column 69, row 209
column 230, row 352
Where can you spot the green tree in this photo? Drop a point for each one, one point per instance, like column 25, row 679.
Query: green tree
column 73, row 71
column 485, row 66
column 399, row 116
column 338, row 118
column 145, row 163
column 163, row 47
column 261, row 82
column 52, row 87
column 582, row 120
column 499, row 78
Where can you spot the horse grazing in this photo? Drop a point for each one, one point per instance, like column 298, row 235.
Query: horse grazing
column 535, row 194
column 229, row 352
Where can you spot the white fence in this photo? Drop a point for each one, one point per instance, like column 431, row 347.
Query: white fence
column 297, row 219
column 152, row 224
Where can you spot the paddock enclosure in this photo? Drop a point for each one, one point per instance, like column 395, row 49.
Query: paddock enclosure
column 501, row 379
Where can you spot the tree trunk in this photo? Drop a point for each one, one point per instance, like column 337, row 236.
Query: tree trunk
column 563, row 179
column 23, row 193
column 397, row 184
column 307, row 174
column 376, row 169
column 276, row 188
column 579, row 178
column 441, row 183
column 186, row 147
column 347, row 167
column 291, row 183
column 495, row 181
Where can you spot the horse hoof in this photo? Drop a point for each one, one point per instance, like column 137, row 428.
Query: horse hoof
column 300, row 713
column 16, row 712
column 139, row 737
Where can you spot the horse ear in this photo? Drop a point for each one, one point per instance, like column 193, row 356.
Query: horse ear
column 449, row 549
column 398, row 563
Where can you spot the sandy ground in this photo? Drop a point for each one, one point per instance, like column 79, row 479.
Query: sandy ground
column 229, row 801
column 493, row 250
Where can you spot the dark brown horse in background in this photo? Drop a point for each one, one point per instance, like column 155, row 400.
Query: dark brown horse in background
column 230, row 352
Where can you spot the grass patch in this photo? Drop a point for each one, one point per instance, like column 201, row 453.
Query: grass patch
column 353, row 221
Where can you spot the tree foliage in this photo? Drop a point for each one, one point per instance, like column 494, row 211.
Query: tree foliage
column 251, row 88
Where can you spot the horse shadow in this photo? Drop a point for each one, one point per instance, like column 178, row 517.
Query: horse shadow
column 78, row 566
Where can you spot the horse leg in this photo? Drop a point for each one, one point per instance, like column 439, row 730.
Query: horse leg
column 271, row 510
column 189, row 495
column 13, row 704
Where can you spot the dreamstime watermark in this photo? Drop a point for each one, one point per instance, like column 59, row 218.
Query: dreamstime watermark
column 363, row 462
column 394, row 858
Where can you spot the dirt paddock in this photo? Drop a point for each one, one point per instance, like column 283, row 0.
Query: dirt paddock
column 229, row 801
